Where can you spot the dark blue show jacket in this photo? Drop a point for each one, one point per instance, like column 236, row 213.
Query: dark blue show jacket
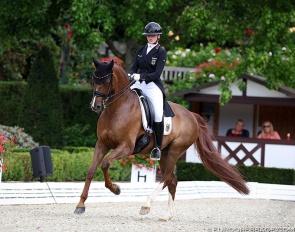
column 150, row 67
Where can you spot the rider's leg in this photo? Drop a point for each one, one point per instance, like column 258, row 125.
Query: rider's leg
column 158, row 128
column 156, row 97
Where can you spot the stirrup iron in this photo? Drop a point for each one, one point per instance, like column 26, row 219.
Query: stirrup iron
column 155, row 154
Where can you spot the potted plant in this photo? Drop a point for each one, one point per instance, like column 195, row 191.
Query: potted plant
column 143, row 168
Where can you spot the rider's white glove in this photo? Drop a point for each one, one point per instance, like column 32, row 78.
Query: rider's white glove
column 135, row 76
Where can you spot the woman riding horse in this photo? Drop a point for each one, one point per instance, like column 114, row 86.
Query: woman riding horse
column 146, row 70
column 120, row 126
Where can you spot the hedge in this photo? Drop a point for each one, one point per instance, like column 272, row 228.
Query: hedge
column 12, row 94
column 78, row 120
column 71, row 164
column 196, row 171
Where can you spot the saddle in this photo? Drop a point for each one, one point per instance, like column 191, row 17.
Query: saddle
column 147, row 113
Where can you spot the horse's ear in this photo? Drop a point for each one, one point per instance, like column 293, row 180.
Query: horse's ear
column 112, row 63
column 95, row 62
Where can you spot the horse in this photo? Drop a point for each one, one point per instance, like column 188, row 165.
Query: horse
column 120, row 125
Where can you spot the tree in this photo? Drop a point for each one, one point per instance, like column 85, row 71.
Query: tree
column 260, row 29
column 41, row 115
column 124, row 21
column 24, row 27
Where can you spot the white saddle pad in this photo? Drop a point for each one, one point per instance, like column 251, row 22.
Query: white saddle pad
column 167, row 122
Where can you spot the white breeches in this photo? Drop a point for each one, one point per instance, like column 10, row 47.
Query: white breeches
column 155, row 95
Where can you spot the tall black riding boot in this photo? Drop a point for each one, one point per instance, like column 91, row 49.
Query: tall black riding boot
column 158, row 135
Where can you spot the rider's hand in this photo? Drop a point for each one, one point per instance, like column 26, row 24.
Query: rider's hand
column 129, row 77
column 135, row 76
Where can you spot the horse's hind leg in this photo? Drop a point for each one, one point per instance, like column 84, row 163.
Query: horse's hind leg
column 169, row 179
column 99, row 153
column 170, row 208
column 171, row 183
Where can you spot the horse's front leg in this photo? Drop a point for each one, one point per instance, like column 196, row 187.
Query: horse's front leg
column 99, row 153
column 120, row 152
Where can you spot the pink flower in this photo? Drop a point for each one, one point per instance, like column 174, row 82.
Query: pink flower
column 68, row 39
column 70, row 32
column 67, row 25
column 2, row 149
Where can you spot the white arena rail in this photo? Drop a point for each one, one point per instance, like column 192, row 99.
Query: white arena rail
column 69, row 192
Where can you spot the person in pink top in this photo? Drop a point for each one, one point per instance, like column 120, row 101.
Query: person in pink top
column 268, row 132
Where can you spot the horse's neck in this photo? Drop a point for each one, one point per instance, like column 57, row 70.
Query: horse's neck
column 122, row 100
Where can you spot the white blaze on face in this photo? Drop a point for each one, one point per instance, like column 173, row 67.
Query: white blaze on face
column 92, row 102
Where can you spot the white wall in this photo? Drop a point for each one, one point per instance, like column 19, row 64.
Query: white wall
column 229, row 115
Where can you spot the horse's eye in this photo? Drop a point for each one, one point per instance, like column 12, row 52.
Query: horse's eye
column 106, row 83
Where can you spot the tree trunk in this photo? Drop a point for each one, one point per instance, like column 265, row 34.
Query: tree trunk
column 131, row 48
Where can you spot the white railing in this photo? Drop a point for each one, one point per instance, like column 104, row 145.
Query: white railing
column 171, row 73
column 69, row 192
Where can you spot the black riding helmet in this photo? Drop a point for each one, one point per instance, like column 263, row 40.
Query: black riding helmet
column 152, row 28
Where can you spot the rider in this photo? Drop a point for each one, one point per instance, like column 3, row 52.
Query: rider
column 146, row 69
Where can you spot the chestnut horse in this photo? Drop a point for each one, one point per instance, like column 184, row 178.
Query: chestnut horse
column 120, row 125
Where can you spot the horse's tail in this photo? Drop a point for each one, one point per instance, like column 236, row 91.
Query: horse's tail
column 213, row 161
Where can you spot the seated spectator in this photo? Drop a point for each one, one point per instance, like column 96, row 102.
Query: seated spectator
column 268, row 132
column 238, row 131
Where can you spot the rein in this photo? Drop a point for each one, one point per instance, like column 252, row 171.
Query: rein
column 121, row 92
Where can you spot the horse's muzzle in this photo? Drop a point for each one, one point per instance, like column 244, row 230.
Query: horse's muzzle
column 96, row 107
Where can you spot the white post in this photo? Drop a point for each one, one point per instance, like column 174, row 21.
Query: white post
column 143, row 174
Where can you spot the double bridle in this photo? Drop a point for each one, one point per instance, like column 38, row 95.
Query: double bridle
column 106, row 96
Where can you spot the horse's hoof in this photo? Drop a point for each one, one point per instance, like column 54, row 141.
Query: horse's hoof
column 165, row 218
column 144, row 210
column 79, row 210
column 118, row 190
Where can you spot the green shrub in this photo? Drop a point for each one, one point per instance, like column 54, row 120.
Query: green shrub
column 196, row 171
column 268, row 175
column 78, row 135
column 71, row 164
column 76, row 107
